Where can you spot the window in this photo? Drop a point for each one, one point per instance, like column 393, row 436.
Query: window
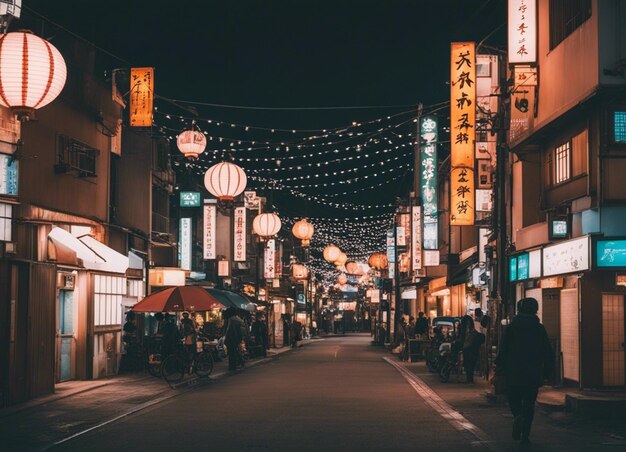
column 562, row 163
column 619, row 126
column 5, row 222
column 73, row 155
column 567, row 160
column 108, row 294
column 565, row 17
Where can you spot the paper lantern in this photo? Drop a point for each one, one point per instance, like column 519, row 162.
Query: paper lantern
column 266, row 225
column 32, row 72
column 331, row 253
column 378, row 261
column 342, row 279
column 303, row 230
column 191, row 143
column 352, row 267
column 225, row 181
column 299, row 272
column 341, row 259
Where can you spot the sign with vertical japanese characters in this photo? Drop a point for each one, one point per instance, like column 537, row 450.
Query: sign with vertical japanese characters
column 184, row 243
column 8, row 175
column 141, row 96
column 210, row 223
column 522, row 31
column 428, row 180
column 270, row 259
column 462, row 132
column 431, row 258
column 240, row 234
column 416, row 239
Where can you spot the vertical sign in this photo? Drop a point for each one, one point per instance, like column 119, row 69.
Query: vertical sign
column 462, row 132
column 210, row 214
column 522, row 31
column 141, row 96
column 184, row 244
column 416, row 239
column 270, row 257
column 428, row 180
column 8, row 175
column 391, row 254
column 240, row 234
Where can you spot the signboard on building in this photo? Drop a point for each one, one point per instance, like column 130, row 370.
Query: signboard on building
column 566, row 257
column 610, row 253
column 270, row 257
column 141, row 96
column 239, row 234
column 429, row 135
column 8, row 175
column 416, row 239
column 12, row 7
column 184, row 244
column 223, row 268
column 401, row 238
column 462, row 132
column 522, row 31
column 189, row 199
column 431, row 258
column 251, row 200
column 484, row 201
column 210, row 224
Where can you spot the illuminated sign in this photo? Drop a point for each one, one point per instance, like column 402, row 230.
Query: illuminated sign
column 270, row 257
column 240, row 234
column 566, row 257
column 522, row 31
column 416, row 239
column 141, row 96
column 610, row 253
column 184, row 243
column 558, row 229
column 513, row 268
column 210, row 220
column 8, row 175
column 428, row 180
column 189, row 199
column 462, row 132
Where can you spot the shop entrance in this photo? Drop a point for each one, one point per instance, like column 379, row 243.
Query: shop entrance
column 65, row 336
column 613, row 370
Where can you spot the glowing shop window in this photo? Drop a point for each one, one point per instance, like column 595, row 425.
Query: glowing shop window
column 619, row 126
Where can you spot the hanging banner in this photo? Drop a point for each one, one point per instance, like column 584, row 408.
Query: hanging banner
column 141, row 96
column 270, row 257
column 428, row 180
column 462, row 132
column 184, row 243
column 240, row 234
column 210, row 222
column 416, row 239
column 522, row 31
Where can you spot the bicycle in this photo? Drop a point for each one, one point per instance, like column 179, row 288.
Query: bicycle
column 176, row 366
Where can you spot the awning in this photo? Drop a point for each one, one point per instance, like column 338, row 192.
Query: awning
column 459, row 274
column 85, row 252
column 410, row 294
column 229, row 299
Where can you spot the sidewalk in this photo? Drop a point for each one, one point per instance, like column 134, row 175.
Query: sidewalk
column 77, row 406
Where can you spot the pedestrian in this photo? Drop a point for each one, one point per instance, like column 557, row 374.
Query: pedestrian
column 188, row 332
column 478, row 316
column 296, row 332
column 471, row 348
column 411, row 328
column 525, row 360
column 170, row 335
column 421, row 325
column 259, row 332
column 235, row 332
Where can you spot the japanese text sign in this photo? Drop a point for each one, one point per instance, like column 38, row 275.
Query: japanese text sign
column 270, row 258
column 141, row 96
column 184, row 244
column 416, row 239
column 210, row 220
column 522, row 31
column 240, row 234
column 428, row 180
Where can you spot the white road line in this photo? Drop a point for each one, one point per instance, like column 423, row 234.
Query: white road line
column 456, row 419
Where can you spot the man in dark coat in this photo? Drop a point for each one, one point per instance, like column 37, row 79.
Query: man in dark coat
column 235, row 333
column 525, row 359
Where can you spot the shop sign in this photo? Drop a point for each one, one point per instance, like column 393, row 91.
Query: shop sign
column 534, row 264
column 189, row 199
column 513, row 268
column 428, row 180
column 375, row 295
column 240, row 234
column 141, row 96
column 8, row 175
column 551, row 283
column 391, row 249
column 463, row 132
column 431, row 258
column 223, row 268
column 620, row 280
column 210, row 223
column 484, row 200
column 558, row 229
column 522, row 31
column 251, row 200
column 525, row 265
column 610, row 253
column 270, row 257
column 184, row 244
column 566, row 257
column 401, row 238
column 416, row 239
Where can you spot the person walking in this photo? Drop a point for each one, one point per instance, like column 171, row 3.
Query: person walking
column 525, row 359
column 188, row 331
column 235, row 332
column 259, row 332
column 471, row 348
column 421, row 325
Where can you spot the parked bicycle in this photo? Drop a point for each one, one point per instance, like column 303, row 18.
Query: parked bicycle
column 181, row 363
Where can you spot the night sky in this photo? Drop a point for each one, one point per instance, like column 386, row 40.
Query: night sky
column 292, row 54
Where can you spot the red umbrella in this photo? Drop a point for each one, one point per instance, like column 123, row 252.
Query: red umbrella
column 183, row 298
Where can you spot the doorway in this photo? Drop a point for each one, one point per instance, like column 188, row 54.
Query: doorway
column 613, row 340
column 65, row 341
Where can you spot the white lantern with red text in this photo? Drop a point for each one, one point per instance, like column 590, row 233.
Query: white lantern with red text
column 32, row 72
column 191, row 143
column 331, row 253
column 266, row 225
column 303, row 230
column 225, row 181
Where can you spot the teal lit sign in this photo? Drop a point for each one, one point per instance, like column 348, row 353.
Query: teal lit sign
column 611, row 253
column 513, row 269
column 519, row 267
column 189, row 199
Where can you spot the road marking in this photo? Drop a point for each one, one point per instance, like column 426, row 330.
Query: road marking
column 454, row 418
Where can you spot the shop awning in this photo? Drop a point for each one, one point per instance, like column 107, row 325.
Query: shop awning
column 85, row 252
column 459, row 274
column 229, row 299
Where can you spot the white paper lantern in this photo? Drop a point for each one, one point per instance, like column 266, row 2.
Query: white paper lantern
column 331, row 253
column 32, row 72
column 342, row 279
column 266, row 225
column 341, row 259
column 225, row 181
column 303, row 230
column 191, row 143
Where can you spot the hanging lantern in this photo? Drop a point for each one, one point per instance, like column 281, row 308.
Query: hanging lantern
column 342, row 279
column 352, row 267
column 303, row 230
column 191, row 143
column 32, row 72
column 266, row 225
column 363, row 269
column 225, row 181
column 378, row 261
column 331, row 253
column 341, row 259
column 299, row 272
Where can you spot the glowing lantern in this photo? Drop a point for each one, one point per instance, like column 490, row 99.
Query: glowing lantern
column 266, row 225
column 299, row 272
column 363, row 269
column 303, row 230
column 378, row 261
column 341, row 259
column 352, row 267
column 342, row 279
column 32, row 72
column 331, row 253
column 191, row 143
column 225, row 181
